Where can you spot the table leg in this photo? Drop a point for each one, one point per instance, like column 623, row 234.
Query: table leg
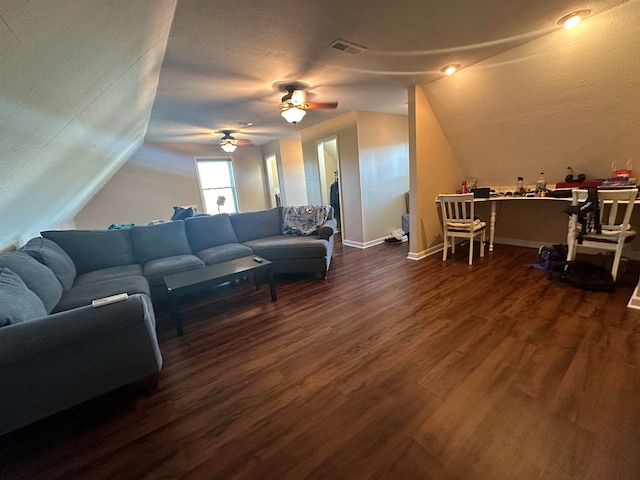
column 272, row 284
column 492, row 225
column 173, row 303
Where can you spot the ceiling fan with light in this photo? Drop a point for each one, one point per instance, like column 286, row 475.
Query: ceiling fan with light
column 294, row 104
column 228, row 143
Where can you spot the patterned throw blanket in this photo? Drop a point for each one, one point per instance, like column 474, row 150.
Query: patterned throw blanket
column 305, row 220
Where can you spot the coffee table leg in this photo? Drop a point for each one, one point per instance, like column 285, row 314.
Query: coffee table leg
column 272, row 284
column 173, row 302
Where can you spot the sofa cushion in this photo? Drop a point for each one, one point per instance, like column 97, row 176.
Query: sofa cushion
column 53, row 256
column 289, row 247
column 83, row 295
column 94, row 249
column 154, row 270
column 210, row 231
column 17, row 302
column 252, row 225
column 37, row 277
column 108, row 274
column 224, row 253
column 167, row 239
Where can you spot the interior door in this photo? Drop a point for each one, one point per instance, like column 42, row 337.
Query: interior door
column 329, row 169
column 275, row 199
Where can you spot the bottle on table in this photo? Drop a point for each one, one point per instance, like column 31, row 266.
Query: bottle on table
column 520, row 188
column 541, row 185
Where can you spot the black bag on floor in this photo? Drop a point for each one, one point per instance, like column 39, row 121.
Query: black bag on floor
column 549, row 258
column 588, row 276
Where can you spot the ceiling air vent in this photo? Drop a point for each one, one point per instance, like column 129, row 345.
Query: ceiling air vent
column 348, row 47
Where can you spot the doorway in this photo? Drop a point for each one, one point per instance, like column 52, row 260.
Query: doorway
column 275, row 199
column 329, row 169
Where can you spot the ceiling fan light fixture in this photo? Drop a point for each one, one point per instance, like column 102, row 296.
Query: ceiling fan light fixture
column 450, row 69
column 574, row 18
column 228, row 147
column 293, row 114
column 229, row 144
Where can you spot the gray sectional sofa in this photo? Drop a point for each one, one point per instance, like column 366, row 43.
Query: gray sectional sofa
column 56, row 350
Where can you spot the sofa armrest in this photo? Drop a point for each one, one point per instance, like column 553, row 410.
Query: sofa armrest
column 64, row 329
column 327, row 229
column 52, row 363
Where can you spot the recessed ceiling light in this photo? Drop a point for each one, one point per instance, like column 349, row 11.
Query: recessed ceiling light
column 571, row 20
column 245, row 124
column 450, row 69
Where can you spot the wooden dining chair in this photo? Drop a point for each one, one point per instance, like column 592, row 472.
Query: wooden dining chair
column 458, row 221
column 615, row 213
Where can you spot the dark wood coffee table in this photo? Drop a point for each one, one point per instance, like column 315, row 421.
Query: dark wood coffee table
column 179, row 284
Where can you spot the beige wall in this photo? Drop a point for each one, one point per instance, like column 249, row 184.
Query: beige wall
column 373, row 164
column 288, row 152
column 160, row 176
column 568, row 98
column 383, row 145
column 251, row 177
column 344, row 127
column 433, row 170
column 292, row 172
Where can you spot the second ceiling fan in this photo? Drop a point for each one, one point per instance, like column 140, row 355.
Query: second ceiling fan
column 230, row 143
column 294, row 104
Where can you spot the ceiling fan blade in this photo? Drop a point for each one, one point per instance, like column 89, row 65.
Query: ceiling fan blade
column 315, row 105
column 241, row 142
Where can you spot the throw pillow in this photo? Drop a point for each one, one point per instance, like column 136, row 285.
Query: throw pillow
column 181, row 213
column 303, row 220
column 49, row 253
column 37, row 277
column 17, row 302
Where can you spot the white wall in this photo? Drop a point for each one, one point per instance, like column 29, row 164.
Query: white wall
column 78, row 81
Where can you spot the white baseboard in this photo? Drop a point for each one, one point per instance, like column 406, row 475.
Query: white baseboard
column 360, row 245
column 370, row 243
column 424, row 253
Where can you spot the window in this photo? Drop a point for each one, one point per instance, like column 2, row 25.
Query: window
column 218, row 187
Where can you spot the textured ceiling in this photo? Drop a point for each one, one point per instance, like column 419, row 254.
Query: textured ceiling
column 226, row 60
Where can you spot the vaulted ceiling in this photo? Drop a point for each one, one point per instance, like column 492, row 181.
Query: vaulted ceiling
column 227, row 61
column 84, row 82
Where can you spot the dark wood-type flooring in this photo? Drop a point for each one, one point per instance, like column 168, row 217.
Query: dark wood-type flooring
column 389, row 369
